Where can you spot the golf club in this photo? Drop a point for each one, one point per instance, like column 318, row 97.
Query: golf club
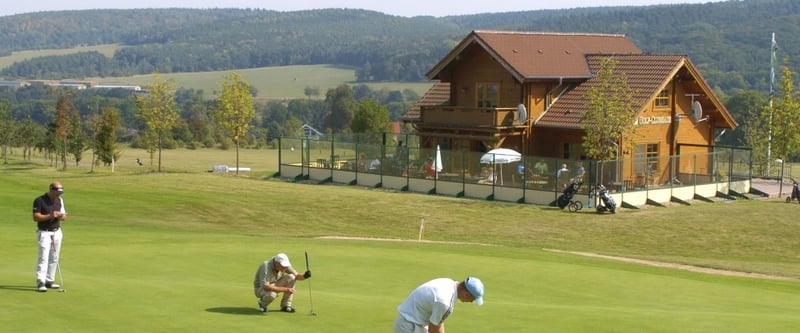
column 61, row 277
column 61, row 288
column 310, row 300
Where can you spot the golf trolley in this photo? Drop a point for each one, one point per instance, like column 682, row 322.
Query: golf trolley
column 565, row 199
column 795, row 192
column 606, row 203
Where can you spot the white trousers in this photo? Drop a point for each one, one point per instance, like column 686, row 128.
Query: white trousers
column 401, row 325
column 49, row 249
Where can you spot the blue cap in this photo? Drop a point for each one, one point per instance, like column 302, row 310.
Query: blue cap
column 475, row 287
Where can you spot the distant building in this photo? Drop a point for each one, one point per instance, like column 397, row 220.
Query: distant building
column 107, row 86
column 14, row 84
column 311, row 132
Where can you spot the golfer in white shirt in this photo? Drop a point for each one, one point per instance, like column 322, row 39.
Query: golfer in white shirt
column 426, row 308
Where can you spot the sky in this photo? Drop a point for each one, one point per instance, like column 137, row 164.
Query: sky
column 406, row 8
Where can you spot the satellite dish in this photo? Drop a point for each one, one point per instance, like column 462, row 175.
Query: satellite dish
column 697, row 110
column 522, row 112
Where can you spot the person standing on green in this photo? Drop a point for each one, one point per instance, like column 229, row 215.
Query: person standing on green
column 48, row 213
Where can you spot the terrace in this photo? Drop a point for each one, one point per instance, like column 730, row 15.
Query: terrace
column 459, row 116
column 723, row 172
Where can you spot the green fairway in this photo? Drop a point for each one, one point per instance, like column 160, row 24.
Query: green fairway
column 177, row 251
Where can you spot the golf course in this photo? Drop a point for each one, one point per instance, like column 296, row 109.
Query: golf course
column 176, row 251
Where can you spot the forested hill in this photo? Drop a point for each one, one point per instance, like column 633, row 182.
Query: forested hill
column 729, row 41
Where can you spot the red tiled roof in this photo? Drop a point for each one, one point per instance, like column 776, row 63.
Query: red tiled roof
column 437, row 95
column 646, row 74
column 396, row 127
column 531, row 55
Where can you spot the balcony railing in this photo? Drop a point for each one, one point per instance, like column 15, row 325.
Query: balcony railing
column 457, row 116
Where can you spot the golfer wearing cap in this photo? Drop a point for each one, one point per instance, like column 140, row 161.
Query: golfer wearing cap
column 48, row 213
column 426, row 308
column 276, row 276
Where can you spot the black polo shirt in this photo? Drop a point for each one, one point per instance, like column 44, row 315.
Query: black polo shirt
column 45, row 205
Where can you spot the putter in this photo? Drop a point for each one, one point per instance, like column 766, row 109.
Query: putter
column 61, row 289
column 60, row 276
column 310, row 300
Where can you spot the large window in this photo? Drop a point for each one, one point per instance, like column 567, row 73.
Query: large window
column 646, row 156
column 488, row 94
column 662, row 100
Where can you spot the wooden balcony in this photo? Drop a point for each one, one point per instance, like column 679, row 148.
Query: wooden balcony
column 469, row 117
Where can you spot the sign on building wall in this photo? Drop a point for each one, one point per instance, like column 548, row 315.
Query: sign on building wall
column 654, row 120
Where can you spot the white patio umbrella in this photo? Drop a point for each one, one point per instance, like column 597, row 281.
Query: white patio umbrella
column 501, row 156
column 437, row 163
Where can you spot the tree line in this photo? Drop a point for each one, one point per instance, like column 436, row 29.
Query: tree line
column 728, row 41
column 65, row 122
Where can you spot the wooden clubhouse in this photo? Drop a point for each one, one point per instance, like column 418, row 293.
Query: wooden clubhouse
column 526, row 91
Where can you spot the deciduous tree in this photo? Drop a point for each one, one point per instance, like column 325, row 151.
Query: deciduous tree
column 158, row 111
column 610, row 113
column 370, row 117
column 104, row 128
column 62, row 123
column 28, row 133
column 7, row 129
column 77, row 137
column 235, row 109
column 342, row 106
column 786, row 119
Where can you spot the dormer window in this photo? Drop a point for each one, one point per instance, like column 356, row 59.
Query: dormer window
column 487, row 94
column 662, row 100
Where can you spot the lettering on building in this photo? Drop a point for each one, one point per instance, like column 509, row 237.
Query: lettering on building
column 654, row 120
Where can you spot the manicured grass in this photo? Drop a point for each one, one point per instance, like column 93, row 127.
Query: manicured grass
column 176, row 252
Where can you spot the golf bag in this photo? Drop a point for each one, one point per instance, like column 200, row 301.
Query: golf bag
column 606, row 201
column 795, row 192
column 564, row 199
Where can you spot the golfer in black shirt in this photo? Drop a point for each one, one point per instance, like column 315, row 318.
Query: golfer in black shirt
column 49, row 213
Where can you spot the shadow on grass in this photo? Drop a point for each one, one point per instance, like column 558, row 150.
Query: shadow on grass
column 17, row 168
column 18, row 288
column 235, row 310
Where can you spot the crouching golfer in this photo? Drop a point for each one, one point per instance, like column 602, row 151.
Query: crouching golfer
column 276, row 276
column 426, row 308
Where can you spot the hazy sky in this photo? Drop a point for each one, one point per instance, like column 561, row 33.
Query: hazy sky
column 393, row 7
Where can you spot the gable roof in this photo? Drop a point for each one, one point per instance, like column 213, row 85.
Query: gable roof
column 311, row 131
column 647, row 75
column 536, row 55
column 436, row 95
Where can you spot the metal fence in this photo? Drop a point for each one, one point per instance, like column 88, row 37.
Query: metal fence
column 397, row 155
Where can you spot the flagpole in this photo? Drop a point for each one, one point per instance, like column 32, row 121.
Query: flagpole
column 421, row 228
column 772, row 61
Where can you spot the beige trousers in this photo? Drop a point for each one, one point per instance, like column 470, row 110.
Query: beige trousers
column 267, row 296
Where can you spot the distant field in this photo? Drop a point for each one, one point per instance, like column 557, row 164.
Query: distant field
column 107, row 50
column 285, row 82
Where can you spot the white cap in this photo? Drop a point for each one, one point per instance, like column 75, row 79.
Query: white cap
column 282, row 259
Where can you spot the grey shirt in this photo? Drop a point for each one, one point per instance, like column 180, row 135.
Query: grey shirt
column 267, row 274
